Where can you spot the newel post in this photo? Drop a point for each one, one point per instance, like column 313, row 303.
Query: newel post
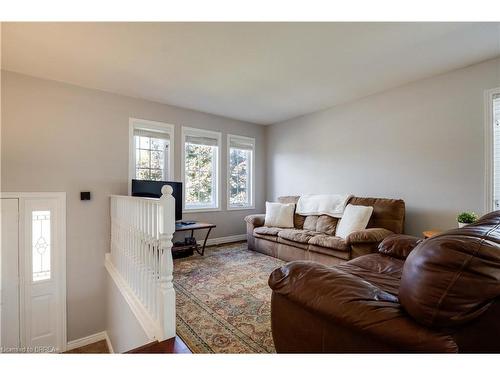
column 167, row 292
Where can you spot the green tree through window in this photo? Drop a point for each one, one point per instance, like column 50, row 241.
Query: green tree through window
column 200, row 163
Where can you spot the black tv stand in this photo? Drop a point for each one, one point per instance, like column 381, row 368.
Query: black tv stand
column 194, row 246
column 185, row 223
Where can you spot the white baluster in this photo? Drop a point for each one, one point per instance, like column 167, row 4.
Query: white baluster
column 167, row 293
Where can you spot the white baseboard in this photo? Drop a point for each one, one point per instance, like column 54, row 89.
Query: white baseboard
column 99, row 336
column 222, row 240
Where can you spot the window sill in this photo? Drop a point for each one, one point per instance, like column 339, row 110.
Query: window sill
column 241, row 208
column 195, row 210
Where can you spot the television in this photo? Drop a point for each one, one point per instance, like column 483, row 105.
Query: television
column 152, row 189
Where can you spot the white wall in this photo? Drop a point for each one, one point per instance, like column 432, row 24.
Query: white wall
column 60, row 137
column 422, row 142
column 123, row 328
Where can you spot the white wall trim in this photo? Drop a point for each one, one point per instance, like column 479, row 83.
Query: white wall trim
column 223, row 240
column 488, row 149
column 108, row 342
column 91, row 339
column 151, row 328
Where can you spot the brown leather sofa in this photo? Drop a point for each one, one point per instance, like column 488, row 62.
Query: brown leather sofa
column 445, row 297
column 313, row 237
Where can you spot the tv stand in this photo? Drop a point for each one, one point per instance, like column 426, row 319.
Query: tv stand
column 180, row 227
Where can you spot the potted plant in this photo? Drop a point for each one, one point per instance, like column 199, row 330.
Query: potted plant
column 466, row 218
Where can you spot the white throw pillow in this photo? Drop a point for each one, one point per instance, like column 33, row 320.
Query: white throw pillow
column 354, row 218
column 279, row 215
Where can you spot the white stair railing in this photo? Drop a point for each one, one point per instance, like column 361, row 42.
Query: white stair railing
column 141, row 253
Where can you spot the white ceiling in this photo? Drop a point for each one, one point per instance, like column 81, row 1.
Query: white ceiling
column 258, row 72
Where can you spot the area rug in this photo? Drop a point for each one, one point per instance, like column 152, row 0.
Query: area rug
column 223, row 300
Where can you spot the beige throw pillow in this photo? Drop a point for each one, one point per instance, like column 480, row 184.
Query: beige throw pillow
column 354, row 218
column 279, row 215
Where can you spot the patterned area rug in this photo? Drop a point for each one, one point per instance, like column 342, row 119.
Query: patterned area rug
column 223, row 300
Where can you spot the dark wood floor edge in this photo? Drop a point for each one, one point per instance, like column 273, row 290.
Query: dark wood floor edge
column 173, row 345
column 142, row 347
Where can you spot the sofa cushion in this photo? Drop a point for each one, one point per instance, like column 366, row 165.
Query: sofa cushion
column 323, row 224
column 340, row 254
column 368, row 235
column 387, row 213
column 380, row 270
column 268, row 231
column 298, row 220
column 297, row 235
column 398, row 245
column 326, row 224
column 332, row 242
column 310, row 222
column 279, row 215
column 354, row 218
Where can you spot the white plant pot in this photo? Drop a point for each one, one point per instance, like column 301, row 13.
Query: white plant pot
column 461, row 225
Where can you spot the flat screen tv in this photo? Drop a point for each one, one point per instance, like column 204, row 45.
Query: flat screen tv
column 152, row 189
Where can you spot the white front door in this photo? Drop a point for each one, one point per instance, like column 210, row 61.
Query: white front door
column 42, row 260
column 9, row 271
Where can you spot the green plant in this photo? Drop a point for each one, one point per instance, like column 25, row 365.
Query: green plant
column 466, row 217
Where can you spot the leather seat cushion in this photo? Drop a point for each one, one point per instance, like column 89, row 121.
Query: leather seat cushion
column 344, row 255
column 267, row 231
column 331, row 242
column 380, row 270
column 297, row 235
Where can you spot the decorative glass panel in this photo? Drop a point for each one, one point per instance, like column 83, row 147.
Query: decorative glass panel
column 41, row 245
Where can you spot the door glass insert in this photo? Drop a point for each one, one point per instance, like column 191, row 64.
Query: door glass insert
column 41, row 245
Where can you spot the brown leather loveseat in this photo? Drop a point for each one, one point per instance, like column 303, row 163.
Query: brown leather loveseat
column 313, row 237
column 436, row 295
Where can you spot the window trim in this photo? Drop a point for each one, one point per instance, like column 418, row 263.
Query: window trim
column 252, row 173
column 155, row 126
column 489, row 148
column 188, row 131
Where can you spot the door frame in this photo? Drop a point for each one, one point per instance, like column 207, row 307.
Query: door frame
column 61, row 232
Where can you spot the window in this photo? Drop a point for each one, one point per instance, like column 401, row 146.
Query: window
column 494, row 123
column 201, row 165
column 240, row 172
column 151, row 150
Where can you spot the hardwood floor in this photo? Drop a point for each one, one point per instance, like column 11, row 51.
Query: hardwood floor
column 171, row 346
column 100, row 347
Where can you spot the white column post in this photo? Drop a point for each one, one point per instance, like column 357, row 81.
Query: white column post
column 166, row 291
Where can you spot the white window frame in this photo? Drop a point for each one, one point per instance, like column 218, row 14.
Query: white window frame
column 252, row 172
column 155, row 126
column 194, row 132
column 489, row 179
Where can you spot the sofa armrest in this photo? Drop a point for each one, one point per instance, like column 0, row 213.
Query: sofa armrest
column 351, row 302
column 398, row 245
column 369, row 235
column 256, row 220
